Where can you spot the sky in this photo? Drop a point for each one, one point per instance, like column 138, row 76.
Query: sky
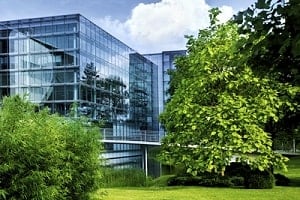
column 148, row 26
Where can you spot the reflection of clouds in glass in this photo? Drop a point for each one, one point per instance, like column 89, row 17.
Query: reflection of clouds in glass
column 30, row 76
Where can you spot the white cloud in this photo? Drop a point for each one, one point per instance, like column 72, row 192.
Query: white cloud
column 160, row 26
column 114, row 27
column 227, row 13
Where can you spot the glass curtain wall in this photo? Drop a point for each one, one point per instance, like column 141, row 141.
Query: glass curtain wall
column 110, row 73
column 38, row 59
column 165, row 62
column 61, row 60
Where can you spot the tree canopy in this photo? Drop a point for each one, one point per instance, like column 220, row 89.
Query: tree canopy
column 273, row 29
column 219, row 106
column 276, row 25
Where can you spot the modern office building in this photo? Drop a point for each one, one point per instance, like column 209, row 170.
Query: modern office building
column 165, row 62
column 67, row 60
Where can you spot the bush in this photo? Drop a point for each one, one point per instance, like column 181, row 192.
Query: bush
column 237, row 169
column 214, row 180
column 184, row 181
column 237, row 180
column 82, row 160
column 206, row 179
column 256, row 179
column 45, row 156
column 123, row 177
column 281, row 180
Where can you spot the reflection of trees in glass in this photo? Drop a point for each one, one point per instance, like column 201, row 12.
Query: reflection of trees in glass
column 114, row 93
column 89, row 73
column 140, row 89
column 108, row 96
column 139, row 102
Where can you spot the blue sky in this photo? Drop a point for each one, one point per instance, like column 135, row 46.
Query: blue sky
column 145, row 25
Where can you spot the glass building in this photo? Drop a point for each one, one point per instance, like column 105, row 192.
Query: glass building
column 67, row 60
column 165, row 62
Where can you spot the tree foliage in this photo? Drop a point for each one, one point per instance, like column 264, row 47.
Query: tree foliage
column 45, row 156
column 219, row 106
column 277, row 26
column 273, row 29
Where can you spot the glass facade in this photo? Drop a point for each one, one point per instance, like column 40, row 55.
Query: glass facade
column 61, row 60
column 165, row 62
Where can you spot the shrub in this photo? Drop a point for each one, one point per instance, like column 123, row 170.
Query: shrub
column 237, row 169
column 256, row 179
column 123, row 177
column 214, row 180
column 184, row 180
column 281, row 180
column 206, row 179
column 82, row 160
column 45, row 156
column 237, row 180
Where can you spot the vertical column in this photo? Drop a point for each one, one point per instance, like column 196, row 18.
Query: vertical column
column 27, row 79
column 95, row 95
column 75, row 98
column 146, row 159
column 27, row 50
column 95, row 79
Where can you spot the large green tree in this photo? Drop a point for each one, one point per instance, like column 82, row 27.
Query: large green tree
column 219, row 107
column 275, row 26
column 44, row 156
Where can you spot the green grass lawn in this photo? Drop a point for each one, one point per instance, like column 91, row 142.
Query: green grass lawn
column 205, row 193
column 293, row 171
column 202, row 193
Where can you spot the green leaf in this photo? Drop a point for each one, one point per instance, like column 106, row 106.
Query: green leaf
column 222, row 100
column 262, row 4
column 220, row 134
column 296, row 48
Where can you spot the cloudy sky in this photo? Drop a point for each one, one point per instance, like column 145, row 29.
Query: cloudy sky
column 148, row 26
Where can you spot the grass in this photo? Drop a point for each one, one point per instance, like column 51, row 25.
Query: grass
column 205, row 193
column 293, row 172
column 123, row 178
column 201, row 193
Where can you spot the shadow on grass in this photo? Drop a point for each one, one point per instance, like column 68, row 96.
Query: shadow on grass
column 295, row 182
column 294, row 171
